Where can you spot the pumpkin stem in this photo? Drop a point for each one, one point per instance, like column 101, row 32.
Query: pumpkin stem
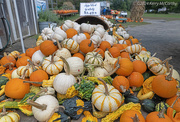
column 42, row 90
column 131, row 41
column 169, row 77
column 135, row 118
column 24, row 73
column 37, row 105
column 18, row 56
column 167, row 65
column 58, row 44
column 106, row 88
column 167, row 59
column 68, row 67
column 90, row 43
column 35, row 82
column 3, row 113
column 31, row 63
column 114, row 70
column 154, row 54
column 96, row 53
column 8, row 64
column 161, row 113
column 123, row 50
column 123, row 88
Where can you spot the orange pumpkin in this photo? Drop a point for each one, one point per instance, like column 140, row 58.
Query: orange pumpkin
column 30, row 52
column 139, row 66
column 136, row 79
column 38, row 76
column 23, row 54
column 134, row 41
column 16, row 89
column 120, row 81
column 8, row 59
column 124, row 45
column 176, row 105
column 86, row 46
column 126, row 67
column 22, row 61
column 119, row 46
column 37, row 48
column 131, row 115
column 105, row 45
column 71, row 32
column 101, row 52
column 125, row 55
column 114, row 52
column 157, row 117
column 143, row 48
column 48, row 47
column 128, row 42
column 87, row 35
column 80, row 55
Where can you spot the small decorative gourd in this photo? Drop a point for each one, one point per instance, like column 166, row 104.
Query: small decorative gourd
column 14, row 54
column 96, row 40
column 86, row 46
column 93, row 58
column 46, row 33
column 52, row 65
column 85, row 27
column 39, row 41
column 143, row 56
column 105, row 95
column 99, row 31
column 58, row 34
column 135, row 48
column 71, row 45
column 88, row 117
column 38, row 56
column 109, row 39
column 63, row 81
column 48, row 47
column 79, row 37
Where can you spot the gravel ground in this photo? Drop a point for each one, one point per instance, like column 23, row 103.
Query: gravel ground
column 160, row 36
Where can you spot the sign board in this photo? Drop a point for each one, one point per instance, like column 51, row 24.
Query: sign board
column 90, row 9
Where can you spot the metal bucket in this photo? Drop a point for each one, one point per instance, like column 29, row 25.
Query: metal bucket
column 43, row 25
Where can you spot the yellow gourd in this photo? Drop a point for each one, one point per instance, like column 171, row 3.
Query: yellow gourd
column 88, row 117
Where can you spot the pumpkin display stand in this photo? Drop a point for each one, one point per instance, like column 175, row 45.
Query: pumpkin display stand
column 92, row 20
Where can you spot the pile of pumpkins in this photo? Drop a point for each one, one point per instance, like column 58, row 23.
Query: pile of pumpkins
column 80, row 69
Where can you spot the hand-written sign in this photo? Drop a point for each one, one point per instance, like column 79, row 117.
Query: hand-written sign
column 90, row 9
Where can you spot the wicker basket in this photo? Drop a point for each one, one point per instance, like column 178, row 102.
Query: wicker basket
column 92, row 20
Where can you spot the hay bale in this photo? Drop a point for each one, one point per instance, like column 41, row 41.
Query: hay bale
column 68, row 6
column 137, row 10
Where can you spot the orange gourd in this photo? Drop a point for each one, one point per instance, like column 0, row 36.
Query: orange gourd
column 101, row 52
column 165, row 85
column 134, row 41
column 105, row 45
column 16, row 89
column 176, row 105
column 22, row 61
column 139, row 66
column 114, row 52
column 119, row 82
column 125, row 55
column 136, row 79
column 128, row 42
column 30, row 52
column 80, row 55
column 86, row 46
column 124, row 45
column 71, row 32
column 8, row 59
column 126, row 67
column 48, row 47
column 119, row 46
column 131, row 116
column 38, row 76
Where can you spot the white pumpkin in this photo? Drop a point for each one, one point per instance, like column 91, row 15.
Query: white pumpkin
column 63, row 81
column 65, row 53
column 120, row 29
column 109, row 39
column 76, row 65
column 67, row 24
column 99, row 31
column 122, row 42
column 14, row 74
column 126, row 36
column 88, row 28
column 53, row 65
column 121, row 32
column 96, row 40
column 93, row 58
column 58, row 34
column 175, row 74
column 106, row 98
column 100, row 72
column 46, row 33
column 135, row 48
column 79, row 37
column 38, row 56
column 51, row 104
column 77, row 26
column 71, row 45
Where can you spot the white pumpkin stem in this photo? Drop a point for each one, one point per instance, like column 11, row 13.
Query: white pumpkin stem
column 167, row 59
column 68, row 67
column 10, row 65
column 169, row 77
column 31, row 63
column 161, row 113
column 42, row 90
column 3, row 113
column 113, row 71
column 135, row 118
column 106, row 88
column 154, row 54
column 37, row 105
column 123, row 88
column 52, row 57
column 167, row 66
column 58, row 44
column 24, row 73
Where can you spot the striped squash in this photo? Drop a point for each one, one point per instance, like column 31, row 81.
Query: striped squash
column 106, row 98
column 53, row 65
column 143, row 56
column 14, row 54
column 94, row 58
column 21, row 70
column 71, row 45
column 155, row 66
column 135, row 48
